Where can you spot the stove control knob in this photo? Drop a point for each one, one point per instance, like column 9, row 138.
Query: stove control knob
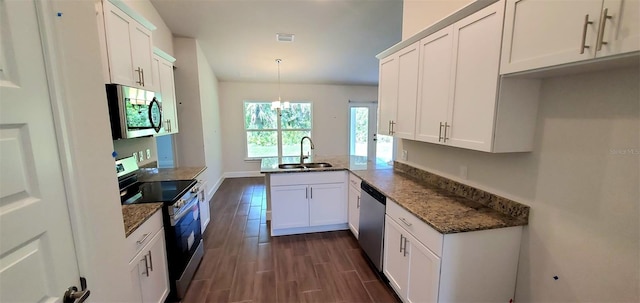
column 180, row 203
column 194, row 189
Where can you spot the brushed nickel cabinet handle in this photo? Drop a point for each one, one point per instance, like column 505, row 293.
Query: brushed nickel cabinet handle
column 306, row 193
column 404, row 254
column 311, row 192
column 440, row 133
column 138, row 70
column 150, row 261
column 446, row 125
column 603, row 19
column 401, row 242
column 584, row 33
column 405, row 221
column 142, row 78
column 144, row 238
column 358, row 205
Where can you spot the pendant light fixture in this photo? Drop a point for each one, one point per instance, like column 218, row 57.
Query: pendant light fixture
column 279, row 104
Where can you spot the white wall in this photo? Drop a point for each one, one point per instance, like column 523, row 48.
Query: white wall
column 200, row 138
column 126, row 147
column 583, row 191
column 84, row 136
column 330, row 116
column 162, row 37
column 419, row 14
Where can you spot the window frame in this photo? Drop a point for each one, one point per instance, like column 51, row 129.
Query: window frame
column 279, row 129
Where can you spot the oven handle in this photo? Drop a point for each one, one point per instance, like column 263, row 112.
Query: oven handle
column 175, row 219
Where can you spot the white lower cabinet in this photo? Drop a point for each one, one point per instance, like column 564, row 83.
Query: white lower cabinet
column 314, row 201
column 148, row 268
column 423, row 265
column 354, row 210
column 203, row 189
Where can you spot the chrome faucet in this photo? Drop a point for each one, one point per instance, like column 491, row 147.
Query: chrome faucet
column 302, row 156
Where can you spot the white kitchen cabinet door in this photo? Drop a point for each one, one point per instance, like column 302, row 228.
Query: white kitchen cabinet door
column 327, row 204
column 621, row 28
column 387, row 94
column 141, row 55
column 354, row 210
column 476, row 40
column 163, row 75
column 289, row 206
column 424, row 273
column 396, row 261
column 205, row 213
column 154, row 281
column 117, row 25
column 405, row 122
column 434, row 83
column 129, row 48
column 541, row 33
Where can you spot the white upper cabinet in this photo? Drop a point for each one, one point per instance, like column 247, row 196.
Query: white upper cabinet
column 542, row 33
column 387, row 94
column 473, row 95
column 461, row 99
column 397, row 93
column 434, row 81
column 620, row 27
column 405, row 123
column 129, row 49
column 163, row 75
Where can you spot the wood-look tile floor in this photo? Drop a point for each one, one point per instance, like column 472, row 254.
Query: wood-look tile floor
column 243, row 263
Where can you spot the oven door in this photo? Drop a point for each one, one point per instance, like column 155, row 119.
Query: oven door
column 183, row 237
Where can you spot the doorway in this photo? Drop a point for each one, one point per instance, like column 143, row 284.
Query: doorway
column 363, row 140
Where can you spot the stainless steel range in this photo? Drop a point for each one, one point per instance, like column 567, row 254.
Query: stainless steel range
column 181, row 216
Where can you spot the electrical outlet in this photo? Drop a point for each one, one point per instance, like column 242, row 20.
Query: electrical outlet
column 135, row 156
column 148, row 153
column 140, row 156
column 463, row 172
column 404, row 155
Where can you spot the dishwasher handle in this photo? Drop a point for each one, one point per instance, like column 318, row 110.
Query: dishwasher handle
column 380, row 197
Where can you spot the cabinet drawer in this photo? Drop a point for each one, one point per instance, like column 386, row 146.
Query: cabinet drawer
column 308, row 178
column 423, row 232
column 141, row 236
column 354, row 181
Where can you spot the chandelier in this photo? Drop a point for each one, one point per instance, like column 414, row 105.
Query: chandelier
column 279, row 104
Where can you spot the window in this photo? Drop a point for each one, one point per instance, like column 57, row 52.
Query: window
column 274, row 132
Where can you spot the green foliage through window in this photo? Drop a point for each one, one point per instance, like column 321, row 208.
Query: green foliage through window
column 267, row 128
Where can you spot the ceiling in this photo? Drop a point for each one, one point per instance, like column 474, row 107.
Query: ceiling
column 335, row 40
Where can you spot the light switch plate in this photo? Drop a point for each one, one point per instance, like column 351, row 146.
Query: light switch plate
column 148, row 153
column 404, row 155
column 135, row 156
column 140, row 155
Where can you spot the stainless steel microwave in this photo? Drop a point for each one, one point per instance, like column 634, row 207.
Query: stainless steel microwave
column 133, row 112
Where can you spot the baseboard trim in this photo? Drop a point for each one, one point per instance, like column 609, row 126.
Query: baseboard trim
column 215, row 187
column 242, row 174
column 309, row 229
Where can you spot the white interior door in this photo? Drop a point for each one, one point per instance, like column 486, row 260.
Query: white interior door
column 37, row 254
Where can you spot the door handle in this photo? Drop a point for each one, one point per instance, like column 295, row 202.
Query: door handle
column 358, row 205
column 446, row 125
column 440, row 133
column 401, row 242
column 73, row 295
column 407, row 223
column 138, row 70
column 142, row 78
column 150, row 261
column 311, row 192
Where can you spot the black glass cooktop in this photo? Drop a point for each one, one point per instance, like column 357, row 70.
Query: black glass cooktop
column 167, row 192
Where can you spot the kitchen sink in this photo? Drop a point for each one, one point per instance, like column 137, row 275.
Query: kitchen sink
column 291, row 165
column 305, row 165
column 317, row 165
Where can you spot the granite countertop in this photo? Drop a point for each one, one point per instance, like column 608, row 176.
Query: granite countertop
column 136, row 214
column 167, row 174
column 270, row 165
column 446, row 210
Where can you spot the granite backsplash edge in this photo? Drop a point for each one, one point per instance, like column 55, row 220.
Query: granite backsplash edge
column 495, row 202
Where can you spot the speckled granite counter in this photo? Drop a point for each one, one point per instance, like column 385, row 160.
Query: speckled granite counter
column 165, row 174
column 136, row 214
column 446, row 205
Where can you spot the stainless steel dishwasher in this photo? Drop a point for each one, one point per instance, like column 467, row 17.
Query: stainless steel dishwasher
column 371, row 228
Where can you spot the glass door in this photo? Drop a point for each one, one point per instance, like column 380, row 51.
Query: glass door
column 363, row 140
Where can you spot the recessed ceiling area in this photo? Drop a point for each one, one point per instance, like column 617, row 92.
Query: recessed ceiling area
column 335, row 40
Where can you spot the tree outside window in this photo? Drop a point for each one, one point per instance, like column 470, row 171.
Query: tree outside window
column 276, row 132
